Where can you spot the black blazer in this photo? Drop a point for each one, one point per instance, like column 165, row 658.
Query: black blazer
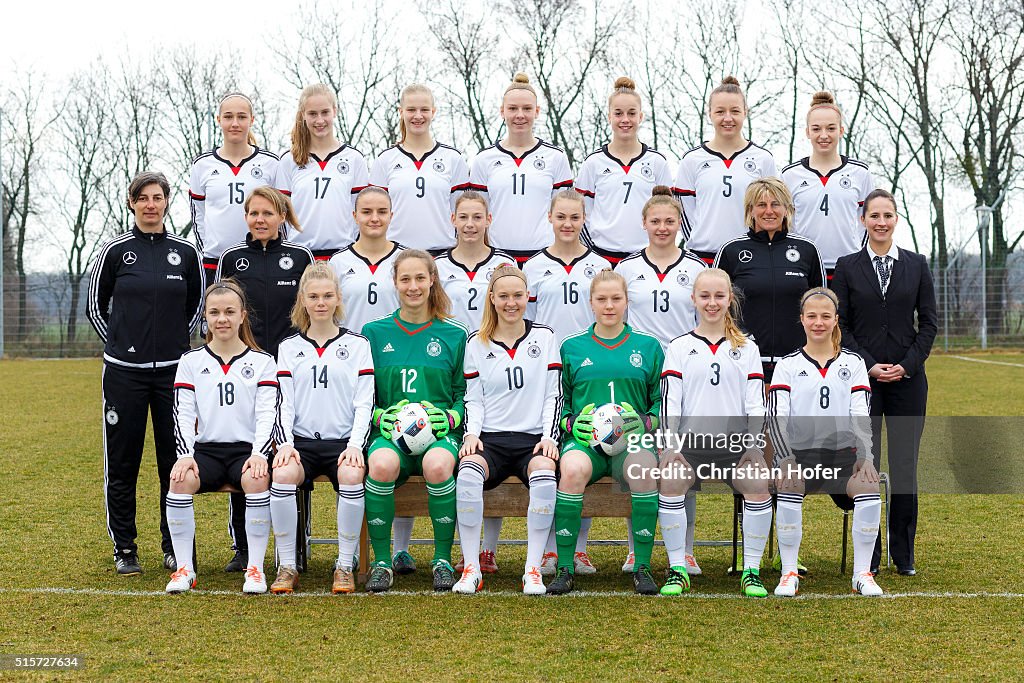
column 881, row 329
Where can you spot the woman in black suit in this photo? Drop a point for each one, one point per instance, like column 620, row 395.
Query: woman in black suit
column 880, row 289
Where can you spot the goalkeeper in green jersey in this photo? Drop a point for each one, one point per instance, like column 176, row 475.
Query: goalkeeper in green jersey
column 609, row 362
column 418, row 356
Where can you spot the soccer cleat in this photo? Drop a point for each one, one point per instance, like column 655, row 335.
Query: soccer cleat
column 444, row 576
column 488, row 565
column 533, row 584
column 472, row 581
column 286, row 582
column 677, row 581
column 181, row 581
column 627, row 566
column 563, row 582
column 692, row 568
column 548, row 564
column 582, row 564
column 255, row 582
column 643, row 581
column 864, row 583
column 403, row 563
column 127, row 563
column 750, row 584
column 381, row 579
column 777, row 565
column 789, row 585
column 170, row 563
column 344, row 581
column 239, row 562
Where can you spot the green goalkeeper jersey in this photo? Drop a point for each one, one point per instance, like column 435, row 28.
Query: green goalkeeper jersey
column 418, row 362
column 628, row 366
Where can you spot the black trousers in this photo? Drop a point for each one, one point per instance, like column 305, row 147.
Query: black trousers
column 902, row 406
column 128, row 397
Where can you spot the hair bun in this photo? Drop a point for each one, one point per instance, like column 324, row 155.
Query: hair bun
column 624, row 83
column 730, row 80
column 520, row 77
column 822, row 97
column 662, row 191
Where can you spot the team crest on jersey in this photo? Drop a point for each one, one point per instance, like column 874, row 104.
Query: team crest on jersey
column 129, row 258
column 174, row 258
column 488, row 274
column 682, row 279
column 111, row 416
column 646, row 172
column 746, row 256
column 256, row 172
column 749, row 166
column 433, row 349
column 343, row 167
column 438, row 166
column 341, row 353
column 635, row 359
column 533, row 351
column 589, row 272
column 734, row 354
column 242, row 264
column 845, row 182
column 286, row 262
column 792, row 255
column 539, row 163
column 248, row 372
column 845, row 374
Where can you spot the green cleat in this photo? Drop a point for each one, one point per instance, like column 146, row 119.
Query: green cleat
column 677, row 581
column 777, row 565
column 403, row 563
column 751, row 586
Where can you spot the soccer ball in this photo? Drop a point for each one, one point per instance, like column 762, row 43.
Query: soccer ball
column 608, row 438
column 412, row 432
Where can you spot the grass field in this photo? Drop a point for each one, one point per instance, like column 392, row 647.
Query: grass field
column 959, row 618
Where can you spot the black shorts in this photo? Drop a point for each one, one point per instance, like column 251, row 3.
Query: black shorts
column 613, row 257
column 521, row 256
column 837, row 465
column 220, row 464
column 707, row 257
column 320, row 457
column 507, row 454
column 706, row 462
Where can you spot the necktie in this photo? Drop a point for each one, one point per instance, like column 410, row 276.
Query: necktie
column 884, row 269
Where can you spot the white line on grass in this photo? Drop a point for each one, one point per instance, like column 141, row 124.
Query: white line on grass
column 990, row 362
column 504, row 594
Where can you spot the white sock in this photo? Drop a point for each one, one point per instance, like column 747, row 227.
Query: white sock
column 469, row 501
column 550, row 546
column 629, row 534
column 492, row 530
column 181, row 518
column 540, row 515
column 257, row 527
column 351, row 503
column 285, row 516
column 672, row 517
column 789, row 527
column 757, row 521
column 401, row 529
column 867, row 513
column 691, row 519
column 581, row 540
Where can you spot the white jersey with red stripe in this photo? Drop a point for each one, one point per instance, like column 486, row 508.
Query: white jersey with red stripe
column 423, row 193
column 614, row 197
column 560, row 292
column 367, row 289
column 234, row 400
column 803, row 392
column 516, row 388
column 660, row 303
column 326, row 391
column 711, row 188
column 828, row 206
column 323, row 193
column 519, row 191
column 218, row 191
column 468, row 288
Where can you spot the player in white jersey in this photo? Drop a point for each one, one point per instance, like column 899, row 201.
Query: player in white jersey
column 713, row 176
column 520, row 174
column 618, row 179
column 326, row 377
column 423, row 176
column 466, row 269
column 221, row 179
column 713, row 387
column 819, row 403
column 322, row 175
column 513, row 396
column 225, row 412
column 828, row 188
column 365, row 268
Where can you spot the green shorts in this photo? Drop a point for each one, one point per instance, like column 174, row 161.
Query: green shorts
column 410, row 465
column 602, row 465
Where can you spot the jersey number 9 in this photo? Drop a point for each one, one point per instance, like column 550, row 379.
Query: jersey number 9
column 421, row 187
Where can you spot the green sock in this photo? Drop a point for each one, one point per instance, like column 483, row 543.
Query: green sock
column 645, row 519
column 380, row 515
column 441, row 505
column 568, row 516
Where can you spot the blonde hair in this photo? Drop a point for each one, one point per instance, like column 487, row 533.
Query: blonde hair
column 823, row 99
column 661, row 195
column 245, row 330
column 731, row 86
column 567, row 194
column 774, row 188
column 317, row 270
column 489, row 322
column 733, row 311
column 281, row 203
column 474, row 196
column 251, row 138
column 413, row 89
column 837, row 333
column 302, row 139
column 520, row 82
column 624, row 85
column 608, row 275
column 438, row 304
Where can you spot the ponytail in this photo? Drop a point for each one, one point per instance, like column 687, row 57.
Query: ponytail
column 733, row 311
column 251, row 138
column 837, row 334
column 282, row 204
column 406, row 91
column 438, row 304
column 302, row 139
column 489, row 322
column 245, row 330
